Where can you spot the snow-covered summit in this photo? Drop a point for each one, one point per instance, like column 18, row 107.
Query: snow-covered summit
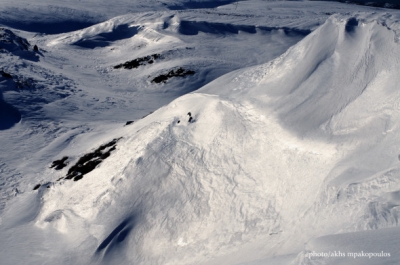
column 316, row 84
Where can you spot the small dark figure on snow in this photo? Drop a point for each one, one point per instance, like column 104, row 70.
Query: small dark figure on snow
column 35, row 48
column 190, row 116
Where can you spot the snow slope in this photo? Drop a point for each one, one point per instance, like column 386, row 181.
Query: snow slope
column 74, row 89
column 302, row 148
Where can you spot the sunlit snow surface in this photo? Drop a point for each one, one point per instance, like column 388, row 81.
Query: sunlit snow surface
column 293, row 149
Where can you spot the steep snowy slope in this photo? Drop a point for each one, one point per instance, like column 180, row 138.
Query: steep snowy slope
column 296, row 150
column 76, row 84
column 277, row 154
column 342, row 89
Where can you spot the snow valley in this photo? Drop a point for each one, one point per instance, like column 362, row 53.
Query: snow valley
column 247, row 132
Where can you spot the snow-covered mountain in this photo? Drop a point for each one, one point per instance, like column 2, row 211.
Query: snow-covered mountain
column 242, row 133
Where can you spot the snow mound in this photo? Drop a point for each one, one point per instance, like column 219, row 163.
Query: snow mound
column 277, row 154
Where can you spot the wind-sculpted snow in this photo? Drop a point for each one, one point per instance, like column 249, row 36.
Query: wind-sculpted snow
column 277, row 159
column 286, row 152
column 105, row 39
column 338, row 88
column 70, row 86
column 175, row 171
column 264, row 161
column 194, row 27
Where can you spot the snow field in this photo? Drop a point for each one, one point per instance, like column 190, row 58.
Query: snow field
column 291, row 151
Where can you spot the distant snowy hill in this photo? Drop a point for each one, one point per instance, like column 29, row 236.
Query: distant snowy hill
column 68, row 15
column 249, row 133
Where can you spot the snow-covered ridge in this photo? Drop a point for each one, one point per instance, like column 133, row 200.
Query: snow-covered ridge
column 66, row 16
column 159, row 25
column 269, row 157
column 75, row 84
column 275, row 155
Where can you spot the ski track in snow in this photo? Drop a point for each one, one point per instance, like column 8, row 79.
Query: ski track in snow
column 293, row 145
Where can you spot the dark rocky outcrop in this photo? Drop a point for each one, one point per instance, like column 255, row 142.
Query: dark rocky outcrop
column 85, row 164
column 173, row 73
column 10, row 42
column 147, row 115
column 89, row 161
column 9, row 39
column 59, row 164
column 138, row 62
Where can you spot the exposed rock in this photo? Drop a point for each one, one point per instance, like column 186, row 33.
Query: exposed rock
column 147, row 115
column 10, row 42
column 139, row 61
column 59, row 164
column 173, row 73
column 9, row 39
column 89, row 161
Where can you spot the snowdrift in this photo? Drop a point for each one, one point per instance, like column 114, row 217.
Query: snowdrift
column 301, row 147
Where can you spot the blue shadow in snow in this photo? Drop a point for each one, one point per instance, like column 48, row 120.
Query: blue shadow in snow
column 194, row 27
column 50, row 28
column 351, row 25
column 9, row 115
column 114, row 242
column 199, row 5
column 105, row 39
